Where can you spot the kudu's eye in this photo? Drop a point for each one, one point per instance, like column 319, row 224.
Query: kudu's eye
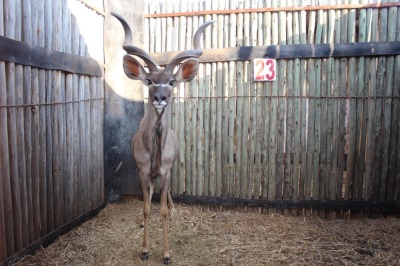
column 149, row 82
column 172, row 82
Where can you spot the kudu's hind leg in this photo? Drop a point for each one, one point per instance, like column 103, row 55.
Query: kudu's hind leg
column 171, row 205
column 151, row 191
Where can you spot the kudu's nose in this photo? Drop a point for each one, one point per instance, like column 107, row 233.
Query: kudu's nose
column 159, row 97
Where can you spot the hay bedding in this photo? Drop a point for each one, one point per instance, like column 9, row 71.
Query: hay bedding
column 199, row 237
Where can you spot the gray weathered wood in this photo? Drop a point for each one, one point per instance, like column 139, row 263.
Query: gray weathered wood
column 20, row 136
column 4, row 160
column 239, row 109
column 246, row 175
column 303, row 136
column 225, row 138
column 37, row 173
column 181, row 130
column 245, row 53
column 288, row 166
column 231, row 41
column 360, row 123
column 25, row 54
column 351, row 127
column 296, row 113
column 392, row 80
column 4, row 157
column 311, row 130
column 371, row 137
column 14, row 223
column 384, row 82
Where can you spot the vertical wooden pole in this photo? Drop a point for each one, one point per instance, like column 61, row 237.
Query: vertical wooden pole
column 231, row 42
column 76, row 155
column 207, row 106
column 266, row 113
column 35, row 159
column 304, row 101
column 20, row 133
column 372, row 18
column 42, row 195
column 213, row 114
column 225, row 138
column 273, row 170
column 193, row 87
column 69, row 133
column 245, row 174
column 87, row 144
column 322, row 168
column 392, row 80
column 65, row 39
column 310, row 91
column 251, row 145
column 182, row 163
column 351, row 124
column 282, row 103
column 260, row 102
column 200, row 123
column 296, row 114
column 56, row 119
column 385, row 74
column 4, row 156
column 48, row 28
column 289, row 132
column 239, row 106
column 219, row 106
column 12, row 187
column 94, row 132
column 361, row 105
column 101, row 87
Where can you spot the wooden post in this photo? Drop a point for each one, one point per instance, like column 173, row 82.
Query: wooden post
column 4, row 155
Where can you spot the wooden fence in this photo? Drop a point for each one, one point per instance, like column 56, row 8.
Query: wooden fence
column 51, row 117
column 326, row 130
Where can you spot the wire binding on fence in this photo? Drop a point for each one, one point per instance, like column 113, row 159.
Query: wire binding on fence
column 52, row 103
column 287, row 97
column 271, row 9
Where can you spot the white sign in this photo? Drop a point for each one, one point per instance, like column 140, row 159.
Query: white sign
column 264, row 69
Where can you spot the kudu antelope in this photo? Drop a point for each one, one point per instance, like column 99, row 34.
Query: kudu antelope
column 155, row 146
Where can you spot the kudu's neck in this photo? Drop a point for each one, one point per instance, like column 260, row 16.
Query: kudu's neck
column 153, row 117
column 155, row 135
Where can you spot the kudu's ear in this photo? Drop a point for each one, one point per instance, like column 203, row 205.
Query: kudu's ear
column 133, row 69
column 187, row 71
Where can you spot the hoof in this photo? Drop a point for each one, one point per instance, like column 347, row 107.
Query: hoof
column 145, row 256
column 173, row 213
column 142, row 225
column 167, row 261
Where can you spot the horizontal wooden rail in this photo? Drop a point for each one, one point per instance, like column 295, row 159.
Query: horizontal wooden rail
column 247, row 53
column 271, row 9
column 334, row 205
column 29, row 55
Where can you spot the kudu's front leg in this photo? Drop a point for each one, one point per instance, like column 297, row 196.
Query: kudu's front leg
column 165, row 197
column 145, row 183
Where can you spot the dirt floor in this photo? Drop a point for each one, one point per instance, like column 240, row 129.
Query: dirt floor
column 204, row 237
